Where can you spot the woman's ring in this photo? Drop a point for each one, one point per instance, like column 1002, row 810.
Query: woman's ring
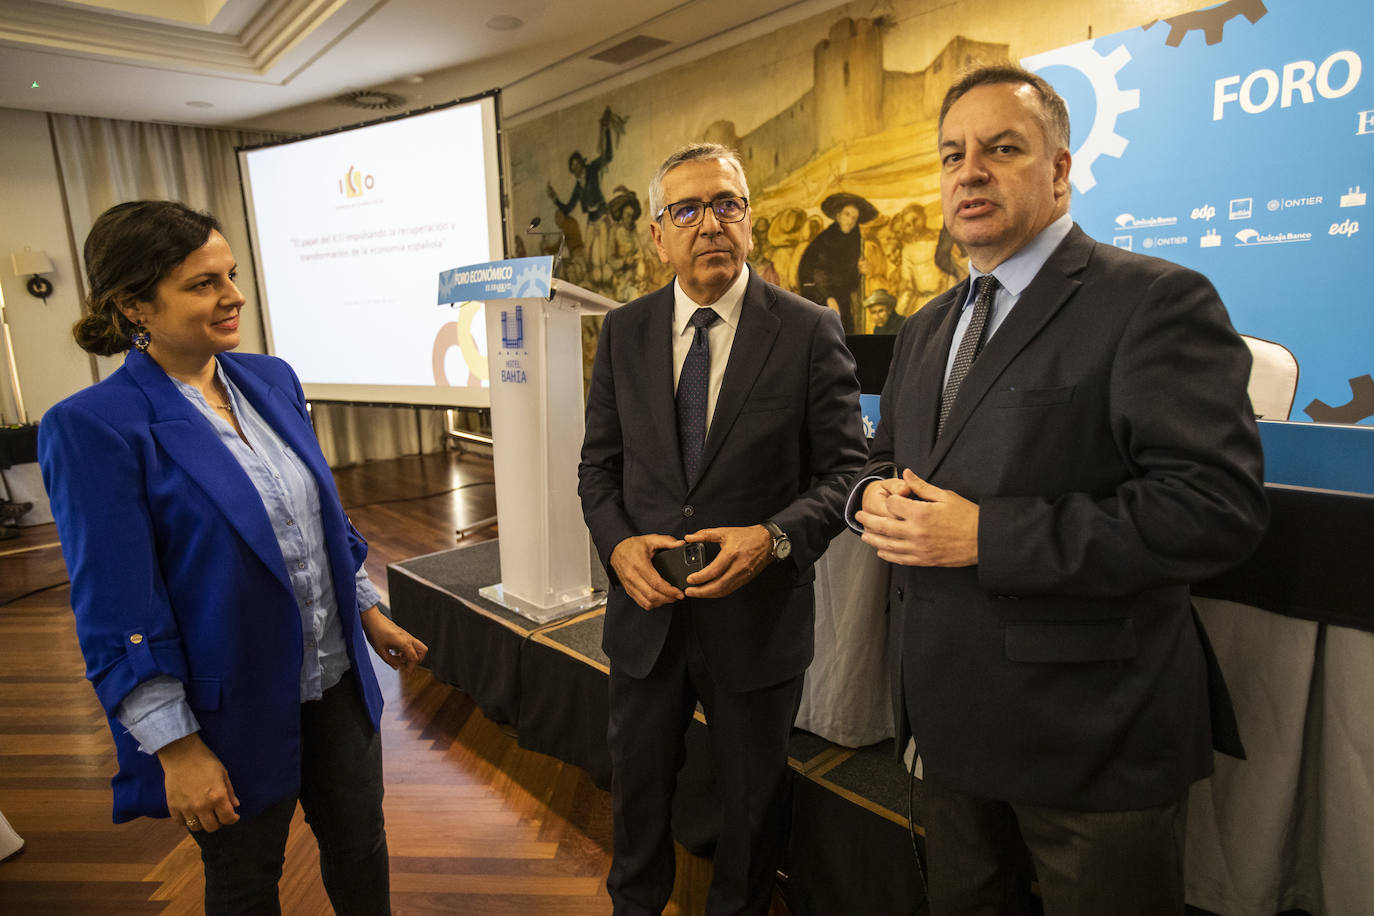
column 193, row 823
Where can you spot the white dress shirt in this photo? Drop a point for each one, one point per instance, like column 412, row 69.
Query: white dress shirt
column 721, row 334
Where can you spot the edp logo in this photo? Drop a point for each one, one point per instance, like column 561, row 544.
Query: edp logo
column 1204, row 213
column 1347, row 228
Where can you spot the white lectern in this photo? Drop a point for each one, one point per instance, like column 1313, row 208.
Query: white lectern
column 534, row 350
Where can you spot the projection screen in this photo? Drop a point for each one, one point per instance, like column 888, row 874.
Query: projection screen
column 349, row 232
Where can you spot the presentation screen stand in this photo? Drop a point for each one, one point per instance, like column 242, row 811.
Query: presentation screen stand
column 534, row 350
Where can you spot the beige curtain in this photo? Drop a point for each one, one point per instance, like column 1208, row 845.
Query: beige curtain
column 352, row 435
column 105, row 162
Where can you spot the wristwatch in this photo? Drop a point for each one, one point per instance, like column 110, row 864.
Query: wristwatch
column 782, row 546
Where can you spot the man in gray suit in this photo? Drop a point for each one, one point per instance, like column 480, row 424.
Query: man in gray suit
column 1065, row 444
column 723, row 411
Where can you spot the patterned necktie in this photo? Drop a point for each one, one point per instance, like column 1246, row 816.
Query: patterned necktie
column 969, row 347
column 692, row 386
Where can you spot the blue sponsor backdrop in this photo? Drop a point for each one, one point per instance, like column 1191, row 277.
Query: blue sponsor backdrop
column 1239, row 141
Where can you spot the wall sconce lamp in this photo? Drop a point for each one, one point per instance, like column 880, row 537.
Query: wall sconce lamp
column 34, row 264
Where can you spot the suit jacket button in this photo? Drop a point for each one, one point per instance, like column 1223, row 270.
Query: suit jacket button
column 900, row 594
column 688, row 512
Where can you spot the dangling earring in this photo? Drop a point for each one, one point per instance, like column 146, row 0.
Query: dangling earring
column 141, row 338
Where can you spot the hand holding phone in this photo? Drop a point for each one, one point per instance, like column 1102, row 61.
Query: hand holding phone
column 677, row 563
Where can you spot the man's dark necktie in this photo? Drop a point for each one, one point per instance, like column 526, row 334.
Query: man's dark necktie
column 969, row 347
column 693, row 384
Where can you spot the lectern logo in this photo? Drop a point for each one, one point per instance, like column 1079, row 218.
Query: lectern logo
column 513, row 329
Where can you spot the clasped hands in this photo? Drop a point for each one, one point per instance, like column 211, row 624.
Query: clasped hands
column 915, row 523
column 743, row 554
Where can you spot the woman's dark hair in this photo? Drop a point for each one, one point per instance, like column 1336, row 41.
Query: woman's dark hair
column 130, row 249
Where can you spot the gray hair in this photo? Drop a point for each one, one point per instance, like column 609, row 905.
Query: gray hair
column 1053, row 114
column 692, row 152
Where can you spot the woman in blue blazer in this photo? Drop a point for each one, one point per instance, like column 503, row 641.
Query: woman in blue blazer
column 217, row 583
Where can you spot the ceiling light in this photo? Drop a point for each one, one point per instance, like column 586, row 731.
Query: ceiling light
column 504, row 23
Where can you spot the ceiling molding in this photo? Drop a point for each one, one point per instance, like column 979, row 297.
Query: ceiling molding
column 268, row 48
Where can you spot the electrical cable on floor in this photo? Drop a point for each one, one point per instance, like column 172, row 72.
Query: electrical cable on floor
column 911, row 829
column 406, row 499
column 37, row 591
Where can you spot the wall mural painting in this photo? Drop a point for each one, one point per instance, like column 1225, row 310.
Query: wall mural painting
column 1185, row 140
column 844, row 185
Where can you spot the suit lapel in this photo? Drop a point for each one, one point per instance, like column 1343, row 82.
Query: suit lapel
column 656, row 346
column 1053, row 286
column 754, row 335
column 192, row 443
column 931, row 375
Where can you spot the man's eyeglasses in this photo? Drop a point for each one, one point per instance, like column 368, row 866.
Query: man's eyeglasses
column 687, row 213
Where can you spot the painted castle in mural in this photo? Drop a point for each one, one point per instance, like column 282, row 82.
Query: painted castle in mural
column 844, row 188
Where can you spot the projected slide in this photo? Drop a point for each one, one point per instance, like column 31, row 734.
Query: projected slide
column 351, row 230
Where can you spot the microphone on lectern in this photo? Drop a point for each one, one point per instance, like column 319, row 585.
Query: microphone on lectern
column 533, row 229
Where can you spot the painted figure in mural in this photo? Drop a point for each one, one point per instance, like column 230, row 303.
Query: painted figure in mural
column 788, row 234
column 587, row 176
column 588, row 195
column 829, row 271
column 921, row 277
column 1085, row 449
column 624, row 258
column 762, row 257
column 766, row 440
column 876, row 270
column 881, row 307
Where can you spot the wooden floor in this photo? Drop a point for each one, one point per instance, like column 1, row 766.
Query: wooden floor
column 476, row 825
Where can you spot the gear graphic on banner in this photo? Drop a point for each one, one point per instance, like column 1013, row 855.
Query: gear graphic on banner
column 1211, row 22
column 1359, row 407
column 529, row 283
column 1112, row 101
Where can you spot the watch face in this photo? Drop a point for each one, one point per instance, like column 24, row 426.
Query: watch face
column 782, row 549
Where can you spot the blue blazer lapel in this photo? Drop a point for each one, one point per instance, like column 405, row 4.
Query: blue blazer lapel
column 1053, row 286
column 283, row 411
column 190, row 441
column 754, row 335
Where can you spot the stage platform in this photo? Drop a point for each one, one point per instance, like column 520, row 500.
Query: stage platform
column 850, row 850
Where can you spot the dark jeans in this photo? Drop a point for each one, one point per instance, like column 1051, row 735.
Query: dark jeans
column 341, row 792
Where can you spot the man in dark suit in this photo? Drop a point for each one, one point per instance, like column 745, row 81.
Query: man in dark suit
column 754, row 455
column 1046, row 502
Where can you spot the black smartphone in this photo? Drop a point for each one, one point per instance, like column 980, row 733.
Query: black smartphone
column 677, row 563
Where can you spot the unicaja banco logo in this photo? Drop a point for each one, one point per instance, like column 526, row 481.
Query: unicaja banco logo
column 1248, row 237
column 354, row 183
column 1126, row 221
